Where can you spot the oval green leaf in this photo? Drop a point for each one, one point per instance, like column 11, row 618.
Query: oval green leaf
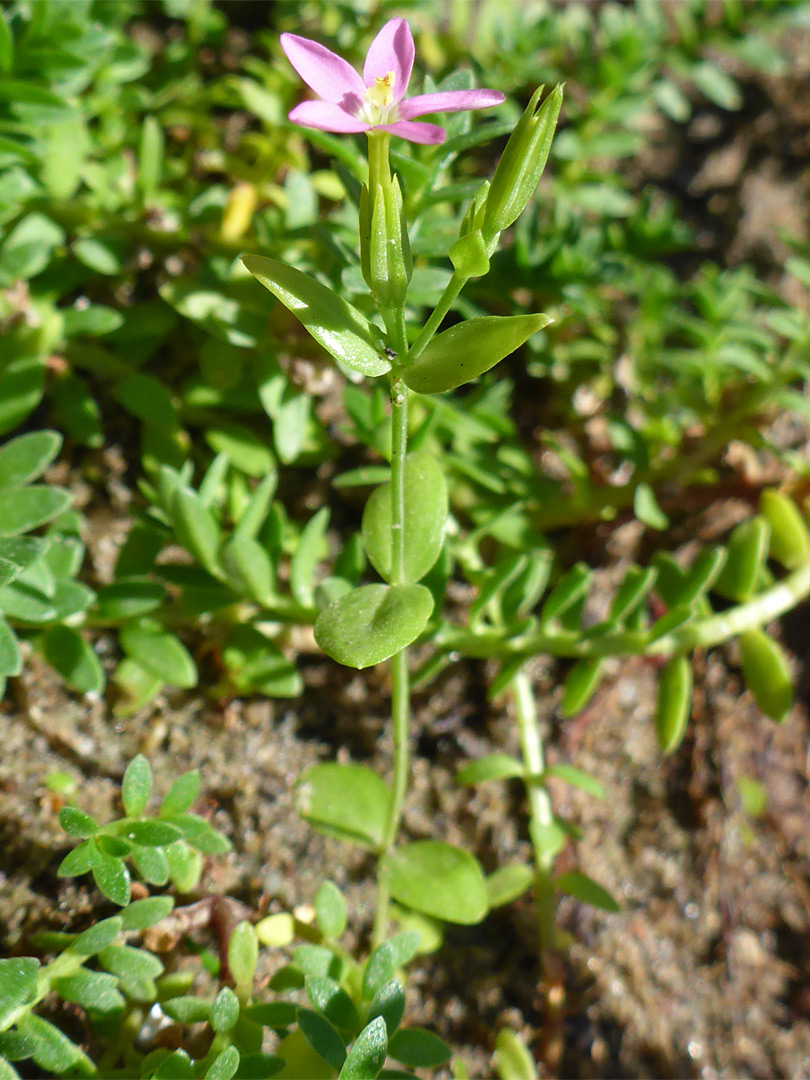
column 160, row 653
column 424, row 521
column 747, row 549
column 25, row 458
column 507, row 883
column 790, row 539
column 74, row 659
column 438, row 879
column 22, row 509
column 349, row 802
column 587, row 890
column 581, row 683
column 371, row 623
column 367, row 1055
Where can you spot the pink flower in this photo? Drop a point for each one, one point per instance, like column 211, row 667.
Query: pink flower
column 375, row 102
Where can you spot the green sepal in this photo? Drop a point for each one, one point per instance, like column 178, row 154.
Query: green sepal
column 385, row 251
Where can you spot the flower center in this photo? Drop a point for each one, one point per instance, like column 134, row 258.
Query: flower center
column 379, row 100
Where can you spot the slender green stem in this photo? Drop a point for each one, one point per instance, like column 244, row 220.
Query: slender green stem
column 703, row 632
column 399, row 448
column 541, row 815
column 400, row 690
column 452, row 289
column 379, row 175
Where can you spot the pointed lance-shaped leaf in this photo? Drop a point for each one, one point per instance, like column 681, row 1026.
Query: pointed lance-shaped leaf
column 465, row 351
column 333, row 323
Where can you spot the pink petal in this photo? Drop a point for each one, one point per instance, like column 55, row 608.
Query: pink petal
column 415, row 131
column 326, row 117
column 324, row 71
column 391, row 50
column 449, row 101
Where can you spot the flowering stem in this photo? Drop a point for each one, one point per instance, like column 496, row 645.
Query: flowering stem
column 451, row 291
column 400, row 689
column 540, row 811
column 379, row 176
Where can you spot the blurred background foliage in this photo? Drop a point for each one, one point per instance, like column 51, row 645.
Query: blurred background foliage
column 144, row 146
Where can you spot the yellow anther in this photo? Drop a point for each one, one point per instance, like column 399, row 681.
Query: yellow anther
column 381, row 94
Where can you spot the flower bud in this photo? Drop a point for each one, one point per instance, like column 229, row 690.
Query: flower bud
column 385, row 252
column 522, row 163
column 470, row 253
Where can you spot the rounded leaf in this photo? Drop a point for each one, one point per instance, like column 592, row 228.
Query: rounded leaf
column 424, row 520
column 243, row 952
column 330, row 910
column 747, row 549
column 507, row 883
column 25, row 458
column 74, row 659
column 587, row 890
column 137, row 786
column 160, row 653
column 371, row 623
column 581, row 683
column 23, row 509
column 419, row 1048
column 346, row 801
column 367, row 1054
column 439, row 880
